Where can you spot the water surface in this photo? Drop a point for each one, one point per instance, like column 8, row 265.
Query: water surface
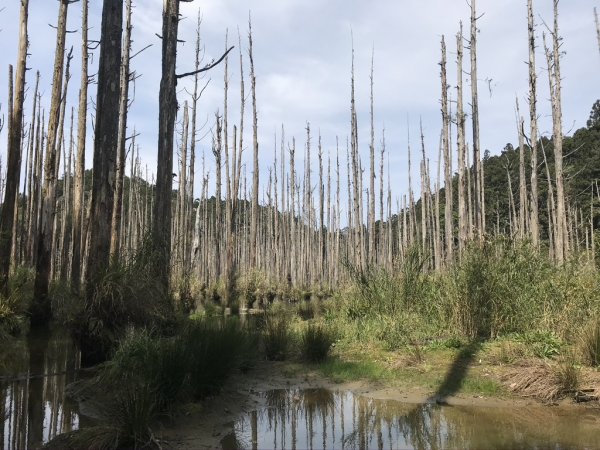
column 323, row 419
column 34, row 372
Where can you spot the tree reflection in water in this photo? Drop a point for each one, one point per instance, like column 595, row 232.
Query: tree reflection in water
column 32, row 385
column 318, row 418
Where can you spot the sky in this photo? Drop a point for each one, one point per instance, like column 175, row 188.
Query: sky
column 302, row 55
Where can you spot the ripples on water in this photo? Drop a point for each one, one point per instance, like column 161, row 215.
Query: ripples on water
column 319, row 419
column 34, row 372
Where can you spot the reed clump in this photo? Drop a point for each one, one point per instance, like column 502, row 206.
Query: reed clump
column 315, row 342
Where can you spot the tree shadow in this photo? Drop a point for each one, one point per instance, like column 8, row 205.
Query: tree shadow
column 457, row 373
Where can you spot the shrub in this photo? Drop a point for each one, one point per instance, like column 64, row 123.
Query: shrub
column 315, row 343
column 127, row 295
column 149, row 373
column 589, row 342
column 276, row 335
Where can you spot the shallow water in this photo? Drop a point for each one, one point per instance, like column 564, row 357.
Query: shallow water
column 323, row 419
column 34, row 372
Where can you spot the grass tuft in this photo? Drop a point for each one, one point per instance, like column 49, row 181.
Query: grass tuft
column 315, row 343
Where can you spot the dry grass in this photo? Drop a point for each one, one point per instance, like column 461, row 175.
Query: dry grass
column 544, row 381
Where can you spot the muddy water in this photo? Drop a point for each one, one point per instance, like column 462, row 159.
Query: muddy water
column 322, row 419
column 33, row 374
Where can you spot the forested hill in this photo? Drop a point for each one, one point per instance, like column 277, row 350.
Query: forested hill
column 581, row 153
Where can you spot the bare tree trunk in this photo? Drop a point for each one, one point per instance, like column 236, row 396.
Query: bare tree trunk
column 477, row 173
column 553, row 61
column 13, row 171
column 166, row 125
column 34, row 135
column 557, row 132
column 115, row 238
column 534, row 221
column 40, row 307
column 371, row 233
column 182, row 231
column 105, row 142
column 449, row 225
column 522, row 184
column 255, row 173
column 463, row 220
column 78, row 207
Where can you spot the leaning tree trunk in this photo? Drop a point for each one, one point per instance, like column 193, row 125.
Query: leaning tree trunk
column 105, row 142
column 13, row 152
column 40, row 307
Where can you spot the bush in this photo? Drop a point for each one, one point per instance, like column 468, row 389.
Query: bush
column 315, row 343
column 149, row 374
column 14, row 306
column 126, row 295
column 589, row 343
column 276, row 335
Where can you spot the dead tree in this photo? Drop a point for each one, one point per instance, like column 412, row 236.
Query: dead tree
column 13, row 151
column 479, row 196
column 255, row 173
column 78, row 207
column 105, row 142
column 115, row 238
column 449, row 231
column 534, row 225
column 463, row 213
column 372, row 250
column 40, row 307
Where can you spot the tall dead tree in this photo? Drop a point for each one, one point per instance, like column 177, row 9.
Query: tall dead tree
column 40, row 307
column 105, row 141
column 522, row 184
column 463, row 214
column 371, row 233
column 255, row 173
column 161, row 227
column 115, row 238
column 78, row 206
column 13, row 151
column 479, row 196
column 553, row 60
column 449, row 225
column 534, row 225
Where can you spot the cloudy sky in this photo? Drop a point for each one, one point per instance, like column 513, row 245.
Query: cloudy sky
column 303, row 59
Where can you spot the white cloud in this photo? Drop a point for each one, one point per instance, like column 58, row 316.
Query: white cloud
column 302, row 57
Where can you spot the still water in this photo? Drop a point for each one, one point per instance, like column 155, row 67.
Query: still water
column 34, row 372
column 323, row 419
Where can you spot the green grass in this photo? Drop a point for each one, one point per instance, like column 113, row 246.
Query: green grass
column 149, row 374
column 341, row 371
column 315, row 343
column 480, row 385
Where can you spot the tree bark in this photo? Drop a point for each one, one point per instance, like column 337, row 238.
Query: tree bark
column 13, row 171
column 534, row 208
column 105, row 142
column 161, row 228
column 115, row 238
column 40, row 307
